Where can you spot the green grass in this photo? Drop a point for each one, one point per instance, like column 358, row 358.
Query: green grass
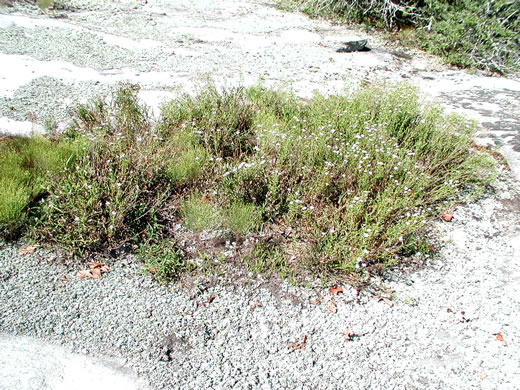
column 340, row 185
column 114, row 193
column 26, row 164
column 466, row 33
column 163, row 260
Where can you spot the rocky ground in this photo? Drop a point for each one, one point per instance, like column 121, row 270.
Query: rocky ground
column 453, row 323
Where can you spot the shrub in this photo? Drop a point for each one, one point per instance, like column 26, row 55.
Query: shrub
column 334, row 185
column 356, row 178
column 116, row 190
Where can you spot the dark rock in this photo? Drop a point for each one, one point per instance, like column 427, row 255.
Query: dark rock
column 352, row 46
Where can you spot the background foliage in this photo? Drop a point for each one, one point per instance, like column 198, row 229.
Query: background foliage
column 467, row 33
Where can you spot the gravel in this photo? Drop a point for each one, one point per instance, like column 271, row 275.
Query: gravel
column 437, row 330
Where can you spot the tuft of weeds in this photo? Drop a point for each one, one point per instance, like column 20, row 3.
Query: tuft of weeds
column 339, row 185
column 115, row 191
column 221, row 121
column 26, row 165
column 353, row 178
column 163, row 260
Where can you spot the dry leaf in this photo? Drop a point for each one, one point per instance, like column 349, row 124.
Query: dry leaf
column 332, row 308
column 64, row 278
column 449, row 310
column 447, row 215
column 85, row 273
column 336, row 290
column 501, row 339
column 153, row 270
column 89, row 273
column 211, row 299
column 27, row 250
column 301, row 346
column 315, row 302
column 95, row 264
column 348, row 335
column 255, row 304
column 386, row 300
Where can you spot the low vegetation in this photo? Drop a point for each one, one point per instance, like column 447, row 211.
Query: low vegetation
column 340, row 185
column 467, row 33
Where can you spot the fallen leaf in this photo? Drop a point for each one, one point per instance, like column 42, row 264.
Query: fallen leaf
column 332, row 308
column 479, row 374
column 27, row 250
column 89, row 273
column 449, row 310
column 336, row 290
column 348, row 335
column 501, row 339
column 64, row 278
column 84, row 273
column 95, row 264
column 211, row 299
column 447, row 215
column 315, row 302
column 386, row 300
column 301, row 346
column 153, row 270
column 254, row 305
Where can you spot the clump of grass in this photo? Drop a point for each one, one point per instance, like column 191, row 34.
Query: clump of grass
column 26, row 165
column 163, row 260
column 198, row 214
column 355, row 179
column 336, row 185
column 115, row 192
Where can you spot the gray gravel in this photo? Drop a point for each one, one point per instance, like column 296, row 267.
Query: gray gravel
column 172, row 336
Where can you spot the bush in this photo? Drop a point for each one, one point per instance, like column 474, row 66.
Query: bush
column 116, row 190
column 356, row 177
column 339, row 184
